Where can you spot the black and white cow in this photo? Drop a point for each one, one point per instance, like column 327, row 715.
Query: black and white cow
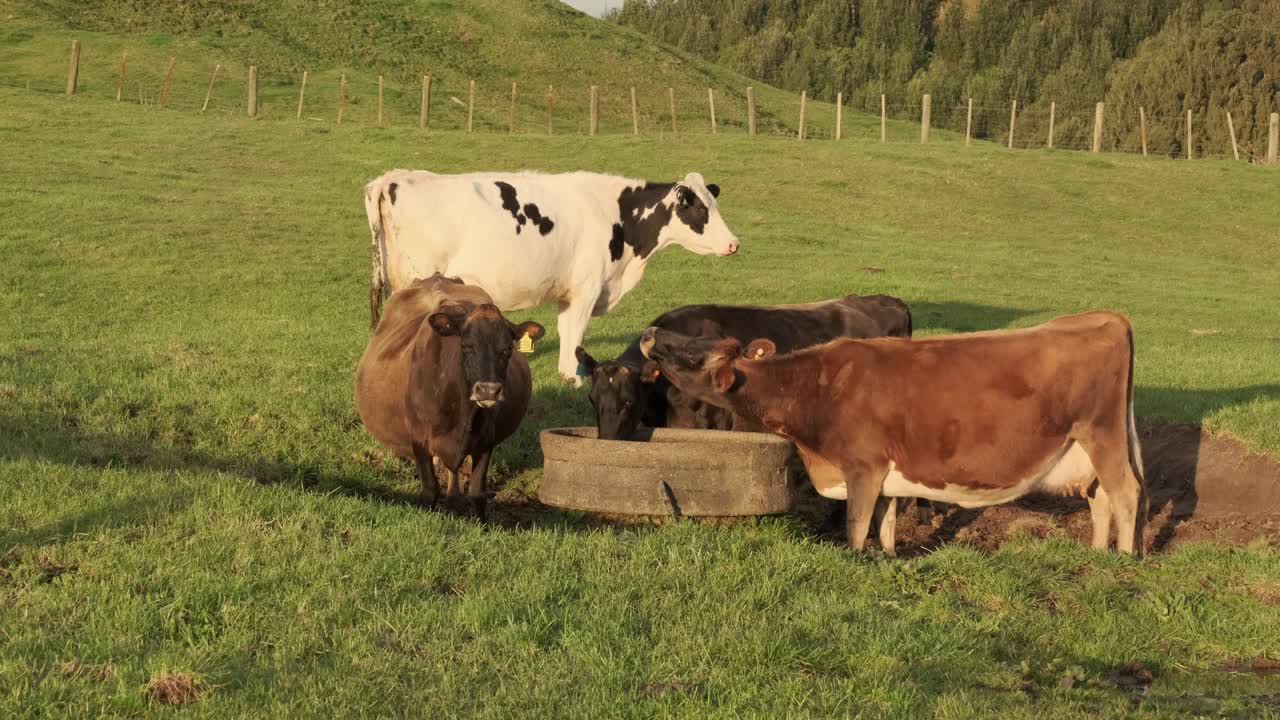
column 581, row 239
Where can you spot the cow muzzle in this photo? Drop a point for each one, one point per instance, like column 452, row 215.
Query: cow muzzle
column 486, row 394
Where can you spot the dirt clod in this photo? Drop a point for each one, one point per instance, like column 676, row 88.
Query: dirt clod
column 176, row 688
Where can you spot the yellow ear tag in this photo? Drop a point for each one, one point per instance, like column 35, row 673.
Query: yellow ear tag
column 526, row 344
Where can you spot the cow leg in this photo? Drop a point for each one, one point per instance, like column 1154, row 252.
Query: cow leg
column 886, row 518
column 476, row 484
column 1100, row 511
column 427, row 474
column 924, row 512
column 1123, row 488
column 862, row 489
column 571, row 323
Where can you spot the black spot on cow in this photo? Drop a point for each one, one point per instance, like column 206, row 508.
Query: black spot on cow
column 391, row 192
column 616, row 242
column 691, row 210
column 511, row 203
column 544, row 223
column 641, row 216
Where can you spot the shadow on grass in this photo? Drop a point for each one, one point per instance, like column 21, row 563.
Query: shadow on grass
column 54, row 439
column 955, row 317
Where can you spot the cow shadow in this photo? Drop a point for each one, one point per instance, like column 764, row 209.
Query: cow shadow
column 1178, row 469
column 52, row 439
column 955, row 317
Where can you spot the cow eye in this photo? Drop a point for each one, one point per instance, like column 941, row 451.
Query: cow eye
column 685, row 196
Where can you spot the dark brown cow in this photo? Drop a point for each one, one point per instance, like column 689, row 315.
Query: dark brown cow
column 624, row 395
column 976, row 419
column 439, row 381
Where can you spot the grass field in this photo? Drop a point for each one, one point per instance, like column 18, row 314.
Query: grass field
column 185, row 486
column 535, row 43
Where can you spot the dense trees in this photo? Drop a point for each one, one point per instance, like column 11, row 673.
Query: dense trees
column 1207, row 56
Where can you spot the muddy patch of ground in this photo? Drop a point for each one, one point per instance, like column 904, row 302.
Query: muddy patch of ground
column 1201, row 486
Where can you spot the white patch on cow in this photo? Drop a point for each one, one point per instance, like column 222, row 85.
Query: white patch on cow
column 456, row 225
column 651, row 210
column 1069, row 472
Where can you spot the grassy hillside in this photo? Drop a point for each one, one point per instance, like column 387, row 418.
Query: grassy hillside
column 536, row 43
column 185, row 487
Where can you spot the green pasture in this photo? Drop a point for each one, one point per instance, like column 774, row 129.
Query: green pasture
column 185, row 485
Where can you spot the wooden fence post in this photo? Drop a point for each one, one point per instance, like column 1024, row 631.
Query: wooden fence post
column 1273, row 139
column 635, row 114
column 424, row 110
column 671, row 95
column 1053, row 108
column 1231, row 128
column 471, row 103
column 751, row 111
column 711, row 101
column 253, row 90
column 73, row 68
column 342, row 97
column 511, row 121
column 1013, row 120
column 379, row 101
column 804, row 94
column 302, row 93
column 595, row 109
column 883, row 121
column 839, row 114
column 1142, row 128
column 551, row 91
column 120, row 83
column 164, row 91
column 968, row 124
column 1097, row 126
column 1190, row 148
column 926, row 109
column 209, row 93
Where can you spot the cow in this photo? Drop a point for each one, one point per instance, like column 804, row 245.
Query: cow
column 974, row 419
column 624, row 395
column 438, row 381
column 581, row 239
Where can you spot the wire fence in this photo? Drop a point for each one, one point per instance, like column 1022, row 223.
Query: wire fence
column 448, row 103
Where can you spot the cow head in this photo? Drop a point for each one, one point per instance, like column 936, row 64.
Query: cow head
column 619, row 392
column 485, row 341
column 702, row 367
column 695, row 222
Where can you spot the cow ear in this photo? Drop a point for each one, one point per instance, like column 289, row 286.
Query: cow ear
column 650, row 372
column 587, row 362
column 726, row 348
column 446, row 322
column 714, row 190
column 530, row 328
column 723, row 377
column 760, row 349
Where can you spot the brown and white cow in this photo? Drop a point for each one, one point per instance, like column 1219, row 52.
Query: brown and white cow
column 975, row 419
column 439, row 381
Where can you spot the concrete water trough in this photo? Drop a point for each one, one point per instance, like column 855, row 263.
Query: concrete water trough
column 667, row 472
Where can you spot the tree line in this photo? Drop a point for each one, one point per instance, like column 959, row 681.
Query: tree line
column 1167, row 56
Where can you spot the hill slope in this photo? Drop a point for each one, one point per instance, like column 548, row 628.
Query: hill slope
column 536, row 43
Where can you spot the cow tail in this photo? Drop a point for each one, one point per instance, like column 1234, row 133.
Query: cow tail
column 910, row 329
column 376, row 210
column 1135, row 461
column 1135, row 448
